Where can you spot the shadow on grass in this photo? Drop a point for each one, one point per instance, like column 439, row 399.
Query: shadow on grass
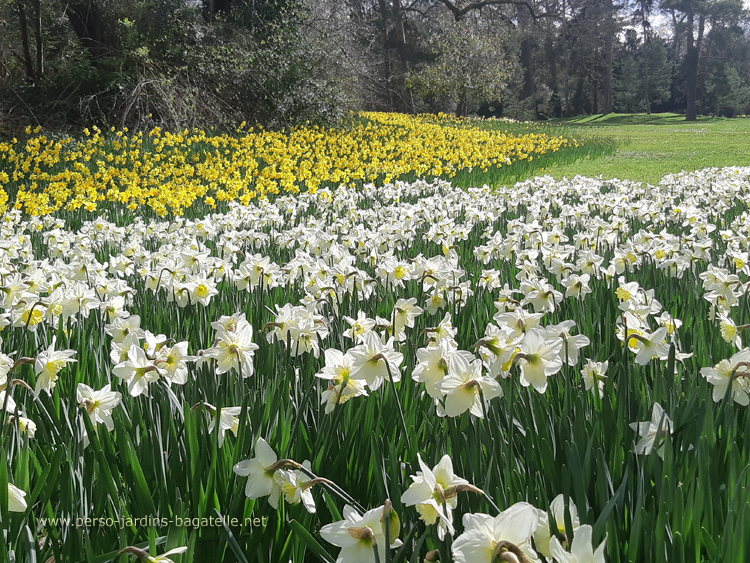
column 619, row 119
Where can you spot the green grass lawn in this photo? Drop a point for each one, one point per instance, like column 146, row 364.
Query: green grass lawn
column 651, row 146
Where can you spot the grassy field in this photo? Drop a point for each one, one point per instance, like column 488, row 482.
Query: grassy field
column 651, row 146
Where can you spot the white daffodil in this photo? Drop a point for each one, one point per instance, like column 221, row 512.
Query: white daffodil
column 48, row 365
column 358, row 327
column 519, row 320
column 485, row 538
column 404, row 314
column 234, row 350
column 462, row 386
column 572, row 344
column 229, row 419
column 432, row 365
column 145, row 557
column 296, row 486
column 358, row 535
column 119, row 350
column 594, row 374
column 174, row 362
column 576, row 286
column 6, row 363
column 434, row 492
column 98, row 404
column 542, row 534
column 538, row 359
column 497, row 349
column 260, row 474
column 581, row 549
column 730, row 332
column 138, row 371
column 651, row 346
column 16, row 499
column 342, row 387
column 647, row 431
column 153, row 343
column 372, row 360
column 734, row 373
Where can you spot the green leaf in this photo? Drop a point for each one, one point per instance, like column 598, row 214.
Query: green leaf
column 310, row 542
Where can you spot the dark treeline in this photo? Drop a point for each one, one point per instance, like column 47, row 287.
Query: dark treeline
column 186, row 63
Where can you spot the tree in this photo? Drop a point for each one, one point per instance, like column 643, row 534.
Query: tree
column 471, row 64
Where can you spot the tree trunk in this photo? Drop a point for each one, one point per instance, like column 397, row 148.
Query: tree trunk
column 90, row 26
column 609, row 30
column 461, row 105
column 406, row 95
column 386, row 54
column 27, row 62
column 691, row 64
column 38, row 33
column 528, row 68
column 646, row 71
column 552, row 66
column 567, row 61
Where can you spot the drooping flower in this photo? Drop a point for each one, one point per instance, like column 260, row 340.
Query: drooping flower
column 357, row 535
column 434, row 492
column 539, row 358
column 228, row 420
column 138, row 371
column 593, row 374
column 732, row 373
column 16, row 499
column 234, row 349
column 486, row 538
column 581, row 549
column 647, row 431
column 48, row 365
column 295, row 485
column 462, row 386
column 542, row 534
column 260, row 474
column 372, row 361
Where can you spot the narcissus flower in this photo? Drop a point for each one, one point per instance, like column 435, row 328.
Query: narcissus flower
column 542, row 534
column 485, row 538
column 734, row 373
column 16, row 499
column 581, row 549
column 260, row 474
column 539, row 358
column 372, row 360
column 434, row 492
column 48, row 365
column 138, row 371
column 342, row 387
column 357, row 535
column 229, row 419
column 594, row 374
column 234, row 349
column 647, row 431
column 145, row 557
column 98, row 404
column 462, row 386
column 296, row 486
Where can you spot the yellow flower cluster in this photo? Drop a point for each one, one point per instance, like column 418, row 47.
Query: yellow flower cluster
column 169, row 172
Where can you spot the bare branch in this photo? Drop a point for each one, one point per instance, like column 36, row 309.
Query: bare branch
column 458, row 13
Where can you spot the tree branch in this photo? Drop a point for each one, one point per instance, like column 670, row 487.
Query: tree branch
column 458, row 13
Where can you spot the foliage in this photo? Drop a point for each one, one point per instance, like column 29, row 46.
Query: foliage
column 471, row 65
